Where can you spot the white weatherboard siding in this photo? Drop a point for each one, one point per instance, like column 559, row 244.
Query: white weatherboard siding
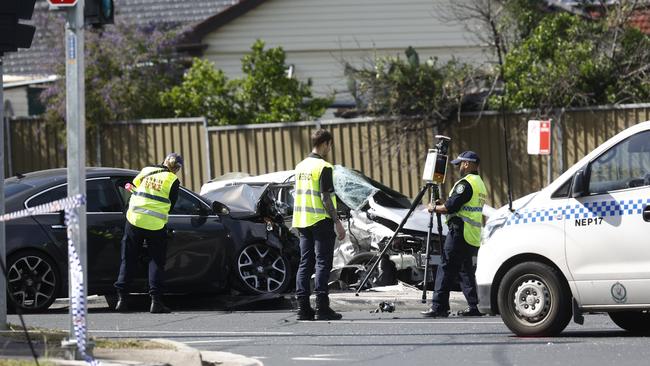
column 319, row 36
column 15, row 100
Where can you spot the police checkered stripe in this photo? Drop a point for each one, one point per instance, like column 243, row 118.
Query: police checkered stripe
column 79, row 310
column 472, row 209
column 580, row 211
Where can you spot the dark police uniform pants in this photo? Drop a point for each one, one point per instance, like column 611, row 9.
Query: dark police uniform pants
column 316, row 250
column 132, row 242
column 456, row 258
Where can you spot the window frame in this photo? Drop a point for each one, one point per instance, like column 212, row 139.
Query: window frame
column 592, row 161
column 27, row 201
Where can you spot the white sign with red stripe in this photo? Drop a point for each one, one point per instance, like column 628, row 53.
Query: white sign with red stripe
column 539, row 137
column 62, row 2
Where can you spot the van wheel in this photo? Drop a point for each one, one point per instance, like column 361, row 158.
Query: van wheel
column 534, row 300
column 632, row 321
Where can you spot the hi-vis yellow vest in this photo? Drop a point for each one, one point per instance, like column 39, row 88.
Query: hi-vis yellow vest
column 150, row 204
column 472, row 211
column 308, row 206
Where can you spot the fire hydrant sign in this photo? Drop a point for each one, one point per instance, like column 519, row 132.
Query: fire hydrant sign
column 539, row 137
column 62, row 2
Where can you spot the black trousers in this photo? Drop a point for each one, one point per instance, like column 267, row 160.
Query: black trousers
column 132, row 242
column 456, row 258
column 316, row 254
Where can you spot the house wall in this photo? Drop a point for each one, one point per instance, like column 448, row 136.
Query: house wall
column 320, row 36
column 15, row 102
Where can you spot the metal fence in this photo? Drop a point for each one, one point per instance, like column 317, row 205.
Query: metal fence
column 382, row 150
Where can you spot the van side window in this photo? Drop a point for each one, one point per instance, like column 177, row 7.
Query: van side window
column 563, row 191
column 626, row 165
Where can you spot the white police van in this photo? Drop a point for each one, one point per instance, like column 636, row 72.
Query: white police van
column 582, row 244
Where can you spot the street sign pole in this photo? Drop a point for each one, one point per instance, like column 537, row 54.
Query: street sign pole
column 76, row 137
column 3, row 249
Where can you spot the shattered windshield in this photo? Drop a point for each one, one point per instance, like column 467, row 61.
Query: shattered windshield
column 352, row 187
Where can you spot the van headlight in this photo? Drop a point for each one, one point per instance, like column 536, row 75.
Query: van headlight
column 491, row 227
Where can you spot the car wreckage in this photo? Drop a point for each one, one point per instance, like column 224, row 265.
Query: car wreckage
column 370, row 212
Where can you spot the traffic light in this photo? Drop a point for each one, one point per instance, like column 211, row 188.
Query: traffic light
column 98, row 12
column 13, row 34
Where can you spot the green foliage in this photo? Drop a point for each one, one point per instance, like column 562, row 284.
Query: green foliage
column 394, row 87
column 570, row 61
column 205, row 91
column 263, row 94
column 126, row 68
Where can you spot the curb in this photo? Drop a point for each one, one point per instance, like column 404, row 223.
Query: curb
column 228, row 359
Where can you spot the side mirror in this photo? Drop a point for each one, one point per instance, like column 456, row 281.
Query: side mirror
column 219, row 208
column 578, row 188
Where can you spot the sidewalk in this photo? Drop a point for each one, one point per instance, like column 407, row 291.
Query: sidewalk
column 170, row 353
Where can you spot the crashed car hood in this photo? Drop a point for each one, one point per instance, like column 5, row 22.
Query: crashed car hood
column 243, row 200
column 418, row 221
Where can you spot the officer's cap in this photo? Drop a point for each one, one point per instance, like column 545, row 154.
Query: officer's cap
column 470, row 156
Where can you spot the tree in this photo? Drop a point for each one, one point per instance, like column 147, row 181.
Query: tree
column 126, row 68
column 552, row 55
column 264, row 94
column 413, row 96
column 204, row 91
column 571, row 61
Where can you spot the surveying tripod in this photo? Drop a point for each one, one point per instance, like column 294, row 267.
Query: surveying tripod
column 435, row 170
column 435, row 195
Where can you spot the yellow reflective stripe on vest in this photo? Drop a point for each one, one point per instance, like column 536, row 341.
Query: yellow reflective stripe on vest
column 149, row 212
column 472, row 211
column 471, row 222
column 308, row 205
column 308, row 192
column 310, row 210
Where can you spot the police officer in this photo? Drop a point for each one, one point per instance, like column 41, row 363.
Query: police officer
column 464, row 220
column 315, row 217
column 154, row 193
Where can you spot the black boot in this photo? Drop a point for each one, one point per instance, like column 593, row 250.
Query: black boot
column 122, row 299
column 157, row 306
column 323, row 310
column 305, row 312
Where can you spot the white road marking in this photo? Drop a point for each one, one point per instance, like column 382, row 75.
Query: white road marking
column 432, row 321
column 191, row 332
column 320, row 359
column 219, row 341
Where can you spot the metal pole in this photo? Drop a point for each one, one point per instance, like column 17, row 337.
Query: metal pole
column 76, row 135
column 3, row 257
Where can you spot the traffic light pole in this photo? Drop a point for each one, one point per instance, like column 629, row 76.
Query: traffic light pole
column 76, row 140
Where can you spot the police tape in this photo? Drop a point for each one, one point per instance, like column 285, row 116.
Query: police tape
column 77, row 298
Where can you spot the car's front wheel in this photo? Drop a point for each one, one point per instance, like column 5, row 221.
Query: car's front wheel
column 534, row 300
column 632, row 321
column 262, row 269
column 33, row 281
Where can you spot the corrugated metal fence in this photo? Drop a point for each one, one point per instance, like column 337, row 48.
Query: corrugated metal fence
column 384, row 151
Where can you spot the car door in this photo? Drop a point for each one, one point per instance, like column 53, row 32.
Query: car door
column 607, row 246
column 105, row 226
column 198, row 248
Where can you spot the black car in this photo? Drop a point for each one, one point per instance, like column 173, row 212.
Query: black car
column 204, row 244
